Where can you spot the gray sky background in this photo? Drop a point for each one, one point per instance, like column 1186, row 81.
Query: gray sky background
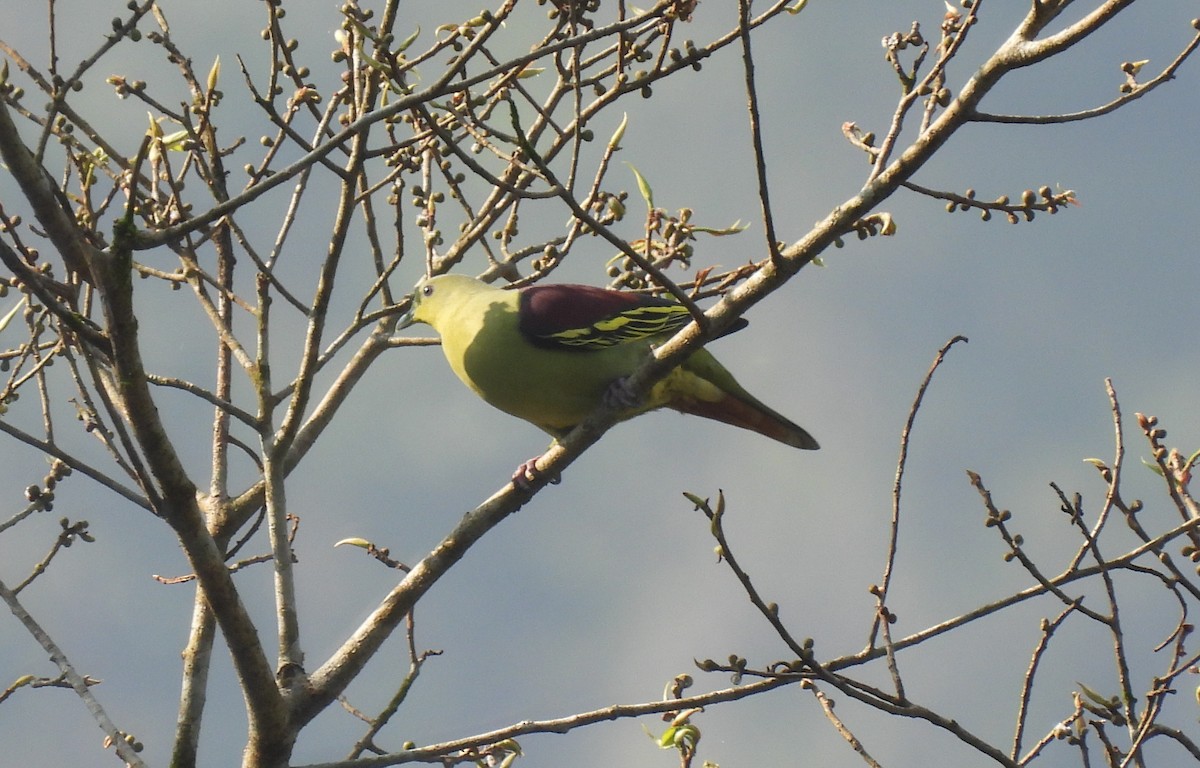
column 605, row 587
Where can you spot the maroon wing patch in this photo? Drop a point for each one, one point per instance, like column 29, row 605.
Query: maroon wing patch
column 583, row 317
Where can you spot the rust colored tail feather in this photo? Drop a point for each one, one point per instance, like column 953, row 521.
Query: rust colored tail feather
column 755, row 417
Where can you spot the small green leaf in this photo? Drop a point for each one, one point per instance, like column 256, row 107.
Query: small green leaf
column 174, row 142
column 372, row 62
column 1096, row 697
column 354, row 542
column 214, row 74
column 1153, row 467
column 364, row 32
column 511, row 745
column 1133, row 67
column 643, row 186
column 687, row 737
column 667, row 740
column 615, row 142
column 732, row 229
column 97, row 157
column 408, row 41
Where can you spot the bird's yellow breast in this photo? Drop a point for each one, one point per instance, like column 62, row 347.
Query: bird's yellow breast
column 553, row 389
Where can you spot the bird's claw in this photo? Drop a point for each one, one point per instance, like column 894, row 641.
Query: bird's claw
column 525, row 474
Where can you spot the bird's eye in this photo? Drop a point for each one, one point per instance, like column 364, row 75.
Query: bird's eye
column 426, row 290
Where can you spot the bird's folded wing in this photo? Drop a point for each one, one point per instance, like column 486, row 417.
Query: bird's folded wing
column 581, row 317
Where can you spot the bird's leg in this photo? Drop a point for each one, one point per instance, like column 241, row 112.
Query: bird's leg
column 527, row 472
column 616, row 395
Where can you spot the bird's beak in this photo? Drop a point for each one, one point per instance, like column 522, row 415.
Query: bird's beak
column 407, row 318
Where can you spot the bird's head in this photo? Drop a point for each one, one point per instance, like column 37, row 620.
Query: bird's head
column 434, row 297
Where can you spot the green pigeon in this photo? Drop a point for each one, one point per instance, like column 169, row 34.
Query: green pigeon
column 550, row 354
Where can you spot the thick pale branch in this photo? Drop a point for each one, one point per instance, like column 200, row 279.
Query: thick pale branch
column 180, row 505
column 197, row 662
column 1024, row 49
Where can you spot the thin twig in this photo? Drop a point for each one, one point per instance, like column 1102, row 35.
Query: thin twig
column 839, row 726
column 760, row 156
column 435, row 752
column 881, row 590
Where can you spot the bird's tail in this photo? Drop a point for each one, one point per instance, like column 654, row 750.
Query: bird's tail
column 749, row 414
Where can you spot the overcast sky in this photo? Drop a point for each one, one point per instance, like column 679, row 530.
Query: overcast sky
column 605, row 587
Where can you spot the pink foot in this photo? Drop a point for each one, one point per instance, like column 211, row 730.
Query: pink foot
column 528, row 472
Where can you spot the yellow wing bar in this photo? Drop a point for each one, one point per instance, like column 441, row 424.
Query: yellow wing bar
column 632, row 324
